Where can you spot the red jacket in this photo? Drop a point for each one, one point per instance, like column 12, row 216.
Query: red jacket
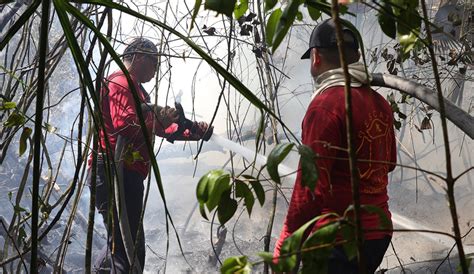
column 120, row 118
column 324, row 130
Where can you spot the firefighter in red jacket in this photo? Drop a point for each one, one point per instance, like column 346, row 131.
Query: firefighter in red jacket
column 119, row 114
column 324, row 130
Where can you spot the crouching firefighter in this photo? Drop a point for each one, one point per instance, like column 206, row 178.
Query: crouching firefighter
column 123, row 163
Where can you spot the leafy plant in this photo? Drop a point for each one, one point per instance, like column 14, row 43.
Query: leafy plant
column 214, row 191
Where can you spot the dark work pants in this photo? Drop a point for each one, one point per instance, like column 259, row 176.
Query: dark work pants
column 113, row 256
column 374, row 251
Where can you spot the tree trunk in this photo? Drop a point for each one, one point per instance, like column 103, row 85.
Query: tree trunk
column 458, row 116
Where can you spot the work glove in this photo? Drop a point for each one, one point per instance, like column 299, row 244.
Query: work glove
column 196, row 131
column 201, row 130
column 166, row 115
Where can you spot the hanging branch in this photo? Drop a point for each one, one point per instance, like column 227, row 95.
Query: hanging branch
column 37, row 135
column 272, row 97
column 350, row 141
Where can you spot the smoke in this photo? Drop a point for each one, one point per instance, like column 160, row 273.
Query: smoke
column 177, row 98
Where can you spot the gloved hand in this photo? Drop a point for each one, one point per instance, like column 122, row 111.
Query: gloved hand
column 201, row 130
column 166, row 115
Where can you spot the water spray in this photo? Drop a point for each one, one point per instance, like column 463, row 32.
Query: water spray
column 251, row 155
column 397, row 219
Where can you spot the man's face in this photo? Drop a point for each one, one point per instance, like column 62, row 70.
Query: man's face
column 145, row 67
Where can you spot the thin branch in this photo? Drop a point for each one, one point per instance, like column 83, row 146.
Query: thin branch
column 350, row 141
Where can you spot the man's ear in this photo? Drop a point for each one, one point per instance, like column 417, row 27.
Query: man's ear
column 315, row 59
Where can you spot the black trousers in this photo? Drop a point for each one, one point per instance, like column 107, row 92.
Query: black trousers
column 113, row 257
column 374, row 251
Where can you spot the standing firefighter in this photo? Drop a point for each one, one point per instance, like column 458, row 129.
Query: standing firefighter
column 122, row 139
column 324, row 130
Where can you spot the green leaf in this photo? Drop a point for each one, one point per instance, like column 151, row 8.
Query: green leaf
column 268, row 258
column 269, row 4
column 243, row 191
column 221, row 6
column 397, row 124
column 407, row 16
column 237, row 264
column 314, row 13
column 385, row 222
column 197, row 6
column 402, row 115
column 226, row 208
column 127, row 155
column 286, row 20
column 290, row 246
column 405, row 98
column 387, row 20
column 23, row 138
column 7, row 105
column 211, row 186
column 408, row 21
column 15, row 119
column 321, row 6
column 201, row 189
column 309, row 171
column 315, row 261
column 393, row 103
column 323, row 235
column 202, row 210
column 399, row 6
column 343, row 9
column 407, row 42
column 217, row 185
column 350, row 246
column 257, row 188
column 275, row 157
column 136, row 156
column 272, row 23
column 241, row 8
